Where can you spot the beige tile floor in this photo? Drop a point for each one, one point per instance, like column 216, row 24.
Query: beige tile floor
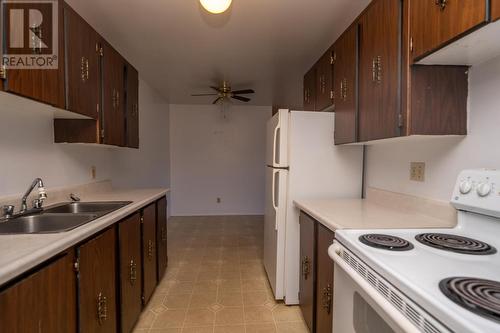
column 216, row 282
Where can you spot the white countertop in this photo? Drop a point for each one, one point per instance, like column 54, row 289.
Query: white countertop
column 364, row 214
column 19, row 253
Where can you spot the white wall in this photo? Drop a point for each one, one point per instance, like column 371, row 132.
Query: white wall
column 388, row 164
column 216, row 157
column 27, row 149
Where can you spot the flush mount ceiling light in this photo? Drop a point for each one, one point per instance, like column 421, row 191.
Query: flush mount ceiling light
column 216, row 6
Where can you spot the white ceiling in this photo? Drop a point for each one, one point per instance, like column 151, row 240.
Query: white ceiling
column 180, row 49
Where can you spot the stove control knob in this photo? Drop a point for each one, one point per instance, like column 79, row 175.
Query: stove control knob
column 465, row 187
column 483, row 189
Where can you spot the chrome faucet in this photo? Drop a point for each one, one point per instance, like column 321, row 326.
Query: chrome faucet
column 42, row 195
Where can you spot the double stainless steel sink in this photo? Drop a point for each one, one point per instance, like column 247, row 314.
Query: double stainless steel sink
column 60, row 218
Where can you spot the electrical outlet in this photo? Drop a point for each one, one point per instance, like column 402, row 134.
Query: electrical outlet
column 417, row 171
column 219, row 200
column 93, row 172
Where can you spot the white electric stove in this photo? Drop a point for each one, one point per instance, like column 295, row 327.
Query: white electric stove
column 429, row 280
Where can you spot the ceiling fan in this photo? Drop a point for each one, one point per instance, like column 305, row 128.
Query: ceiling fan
column 224, row 92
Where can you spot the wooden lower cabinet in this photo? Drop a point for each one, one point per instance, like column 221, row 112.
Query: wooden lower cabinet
column 44, row 301
column 324, row 281
column 495, row 10
column 316, row 281
column 149, row 265
column 307, row 284
column 161, row 237
column 97, row 284
column 129, row 244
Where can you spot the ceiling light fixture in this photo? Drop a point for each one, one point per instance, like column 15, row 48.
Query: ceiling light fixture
column 216, row 6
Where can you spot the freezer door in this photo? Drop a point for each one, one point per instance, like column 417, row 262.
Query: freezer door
column 277, row 138
column 274, row 229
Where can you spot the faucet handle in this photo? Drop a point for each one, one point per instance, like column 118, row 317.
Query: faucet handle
column 74, row 198
column 37, row 203
column 8, row 211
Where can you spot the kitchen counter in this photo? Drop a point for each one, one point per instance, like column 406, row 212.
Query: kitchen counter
column 375, row 214
column 20, row 253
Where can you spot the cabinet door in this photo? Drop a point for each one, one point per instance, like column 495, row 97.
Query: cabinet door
column 379, row 71
column 45, row 301
column 97, row 284
column 161, row 236
column 310, row 90
column 324, row 75
column 132, row 116
column 307, row 283
column 345, row 83
column 113, row 115
column 43, row 85
column 324, row 288
column 148, row 252
column 495, row 10
column 129, row 240
column 433, row 24
column 82, row 65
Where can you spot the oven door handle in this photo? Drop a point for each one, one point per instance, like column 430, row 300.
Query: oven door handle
column 397, row 317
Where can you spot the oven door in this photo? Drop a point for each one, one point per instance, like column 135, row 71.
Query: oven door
column 360, row 308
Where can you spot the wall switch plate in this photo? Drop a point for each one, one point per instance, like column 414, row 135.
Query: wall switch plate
column 417, row 171
column 93, row 172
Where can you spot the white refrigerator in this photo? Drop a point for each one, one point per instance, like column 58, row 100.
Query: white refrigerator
column 301, row 162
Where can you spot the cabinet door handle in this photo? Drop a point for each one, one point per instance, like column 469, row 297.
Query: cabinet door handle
column 102, row 308
column 151, row 247
column 133, row 272
column 84, row 67
column 163, row 234
column 343, row 89
column 442, row 4
column 377, row 69
column 306, row 267
column 327, row 298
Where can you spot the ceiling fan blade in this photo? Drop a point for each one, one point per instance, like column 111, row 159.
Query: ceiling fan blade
column 241, row 98
column 204, row 95
column 244, row 92
column 217, row 100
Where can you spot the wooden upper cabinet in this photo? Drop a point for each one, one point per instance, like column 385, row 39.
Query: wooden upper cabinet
column 97, row 284
column 149, row 264
column 345, row 83
column 310, row 90
column 307, row 282
column 324, row 84
column 132, row 106
column 495, row 10
column 380, row 70
column 161, row 236
column 82, row 65
column 45, row 301
column 42, row 85
column 129, row 243
column 324, row 289
column 434, row 24
column 113, row 101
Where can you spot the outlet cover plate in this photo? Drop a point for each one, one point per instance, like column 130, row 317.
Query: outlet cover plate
column 417, row 171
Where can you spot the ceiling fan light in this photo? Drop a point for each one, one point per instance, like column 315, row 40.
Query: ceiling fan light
column 216, row 6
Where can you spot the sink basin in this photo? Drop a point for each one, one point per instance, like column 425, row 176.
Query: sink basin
column 100, row 208
column 45, row 223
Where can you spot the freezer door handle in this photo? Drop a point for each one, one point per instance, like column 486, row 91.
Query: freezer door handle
column 273, row 190
column 275, row 141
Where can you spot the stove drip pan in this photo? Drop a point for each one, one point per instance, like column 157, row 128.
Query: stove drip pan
column 457, row 244
column 386, row 242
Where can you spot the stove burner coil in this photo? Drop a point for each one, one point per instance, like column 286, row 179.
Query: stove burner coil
column 386, row 242
column 476, row 295
column 454, row 243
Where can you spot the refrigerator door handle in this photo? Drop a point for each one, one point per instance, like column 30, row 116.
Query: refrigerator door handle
column 275, row 141
column 275, row 172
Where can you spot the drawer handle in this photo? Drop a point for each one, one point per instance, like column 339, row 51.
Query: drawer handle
column 327, row 299
column 306, row 267
column 102, row 308
column 151, row 247
column 133, row 272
